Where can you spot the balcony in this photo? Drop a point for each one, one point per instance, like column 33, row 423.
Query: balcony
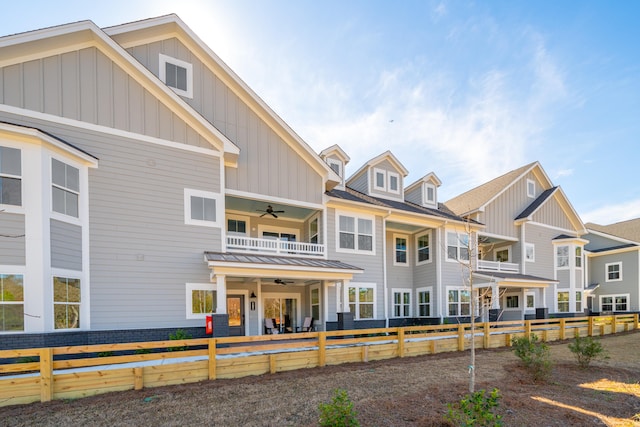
column 274, row 247
column 505, row 267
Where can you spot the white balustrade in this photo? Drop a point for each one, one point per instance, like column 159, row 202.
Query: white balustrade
column 507, row 267
column 273, row 246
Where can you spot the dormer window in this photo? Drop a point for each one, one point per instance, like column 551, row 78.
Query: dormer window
column 336, row 165
column 430, row 194
column 394, row 180
column 531, row 188
column 177, row 74
column 379, row 179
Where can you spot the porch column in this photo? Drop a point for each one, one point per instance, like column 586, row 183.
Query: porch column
column 495, row 296
column 221, row 292
column 344, row 306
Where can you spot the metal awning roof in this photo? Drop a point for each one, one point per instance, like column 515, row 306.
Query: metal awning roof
column 514, row 280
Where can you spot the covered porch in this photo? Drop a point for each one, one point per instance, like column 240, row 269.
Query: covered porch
column 249, row 288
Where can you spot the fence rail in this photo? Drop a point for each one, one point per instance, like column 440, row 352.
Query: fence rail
column 43, row 374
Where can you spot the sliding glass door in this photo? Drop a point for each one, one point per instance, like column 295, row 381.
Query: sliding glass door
column 283, row 310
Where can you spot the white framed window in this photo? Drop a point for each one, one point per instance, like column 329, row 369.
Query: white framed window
column 313, row 230
column 430, row 194
column 424, row 301
column 613, row 272
column 355, row 234
column 578, row 256
column 512, row 302
column 531, row 188
column 237, row 225
column 401, row 302
column 562, row 256
column 336, row 165
column 614, row 302
column 578, row 301
column 314, row 300
column 10, row 176
column 401, row 250
column 65, row 188
column 379, row 179
column 202, row 208
column 529, row 300
column 177, row 74
column 201, row 299
column 423, row 248
column 458, row 301
column 11, row 302
column 502, row 254
column 530, row 252
column 362, row 297
column 66, row 302
column 457, row 246
column 562, row 297
column 394, row 182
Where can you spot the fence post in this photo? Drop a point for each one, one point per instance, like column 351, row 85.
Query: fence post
column 590, row 327
column 562, row 326
column 486, row 335
column 272, row 363
column 613, row 324
column 212, row 359
column 322, row 348
column 138, row 378
column 400, row 342
column 527, row 328
column 460, row 337
column 46, row 374
column 636, row 321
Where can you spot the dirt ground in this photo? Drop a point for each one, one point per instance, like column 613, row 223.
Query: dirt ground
column 399, row 392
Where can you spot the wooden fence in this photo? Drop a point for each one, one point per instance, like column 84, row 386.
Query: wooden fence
column 44, row 374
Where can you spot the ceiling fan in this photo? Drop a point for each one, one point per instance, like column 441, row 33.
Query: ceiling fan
column 283, row 282
column 269, row 211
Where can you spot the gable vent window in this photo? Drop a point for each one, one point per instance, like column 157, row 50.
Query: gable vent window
column 177, row 74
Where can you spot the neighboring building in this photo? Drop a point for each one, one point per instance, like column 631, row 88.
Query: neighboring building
column 144, row 185
column 613, row 261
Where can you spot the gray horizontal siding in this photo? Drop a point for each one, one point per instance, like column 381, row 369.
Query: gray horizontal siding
column 542, row 238
column 66, row 245
column 12, row 249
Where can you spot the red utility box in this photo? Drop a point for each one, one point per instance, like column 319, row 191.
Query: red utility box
column 209, row 325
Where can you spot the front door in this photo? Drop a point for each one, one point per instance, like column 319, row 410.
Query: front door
column 235, row 310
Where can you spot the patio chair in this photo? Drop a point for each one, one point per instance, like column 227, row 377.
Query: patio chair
column 307, row 325
column 270, row 327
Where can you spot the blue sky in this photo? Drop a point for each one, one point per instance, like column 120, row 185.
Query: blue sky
column 468, row 90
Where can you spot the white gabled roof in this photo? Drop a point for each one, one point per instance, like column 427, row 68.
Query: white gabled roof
column 430, row 177
column 387, row 155
column 335, row 148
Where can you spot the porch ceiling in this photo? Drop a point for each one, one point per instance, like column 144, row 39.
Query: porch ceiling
column 256, row 207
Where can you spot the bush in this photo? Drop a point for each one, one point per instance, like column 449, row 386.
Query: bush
column 475, row 410
column 586, row 349
column 535, row 356
column 180, row 334
column 338, row 413
column 105, row 354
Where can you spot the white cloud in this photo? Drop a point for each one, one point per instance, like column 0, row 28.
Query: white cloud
column 563, row 172
column 610, row 214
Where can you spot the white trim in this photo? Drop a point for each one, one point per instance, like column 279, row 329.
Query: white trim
column 189, row 288
column 459, row 246
column 398, row 182
column 458, row 303
column 606, row 271
column 430, row 236
column 431, row 304
column 531, row 183
column 402, row 292
column 275, row 200
column 318, row 288
column 69, row 274
column 406, row 252
column 356, row 217
column 166, row 59
column 358, row 286
column 520, row 305
column 533, row 247
column 235, row 217
column 218, row 198
column 568, row 292
column 331, row 161
column 383, row 172
column 613, row 301
column 273, row 229
column 500, row 249
column 426, row 200
column 524, row 305
column 556, row 256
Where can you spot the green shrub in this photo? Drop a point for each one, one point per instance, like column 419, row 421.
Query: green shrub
column 475, row 410
column 105, row 354
column 27, row 359
column 338, row 413
column 535, row 356
column 143, row 351
column 586, row 349
column 180, row 334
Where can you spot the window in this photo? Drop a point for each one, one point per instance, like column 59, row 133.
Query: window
column 379, row 179
column 401, row 303
column 502, row 255
column 394, row 182
column 336, row 166
column 401, row 251
column 355, row 234
column 563, row 302
column 315, row 303
column 430, row 193
column 530, row 300
column 66, row 303
column 424, row 302
column 578, row 257
column 578, row 301
column 614, row 302
column 531, row 188
column 11, row 303
column 177, row 74
column 614, row 271
column 457, row 246
column 236, row 226
column 10, row 176
column 459, row 302
column 529, row 252
column 313, row 233
column 65, row 188
column 513, row 301
column 562, row 256
column 201, row 300
column 422, row 244
column 361, row 299
column 202, row 208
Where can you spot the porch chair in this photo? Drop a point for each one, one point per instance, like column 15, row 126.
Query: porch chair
column 269, row 327
column 307, row 325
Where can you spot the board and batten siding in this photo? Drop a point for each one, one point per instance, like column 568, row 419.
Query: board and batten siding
column 66, row 245
column 12, row 249
column 550, row 213
column 86, row 85
column 267, row 165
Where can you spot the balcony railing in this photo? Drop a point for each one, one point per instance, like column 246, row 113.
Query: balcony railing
column 506, row 267
column 274, row 247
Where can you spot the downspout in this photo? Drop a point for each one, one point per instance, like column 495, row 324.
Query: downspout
column 384, row 268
